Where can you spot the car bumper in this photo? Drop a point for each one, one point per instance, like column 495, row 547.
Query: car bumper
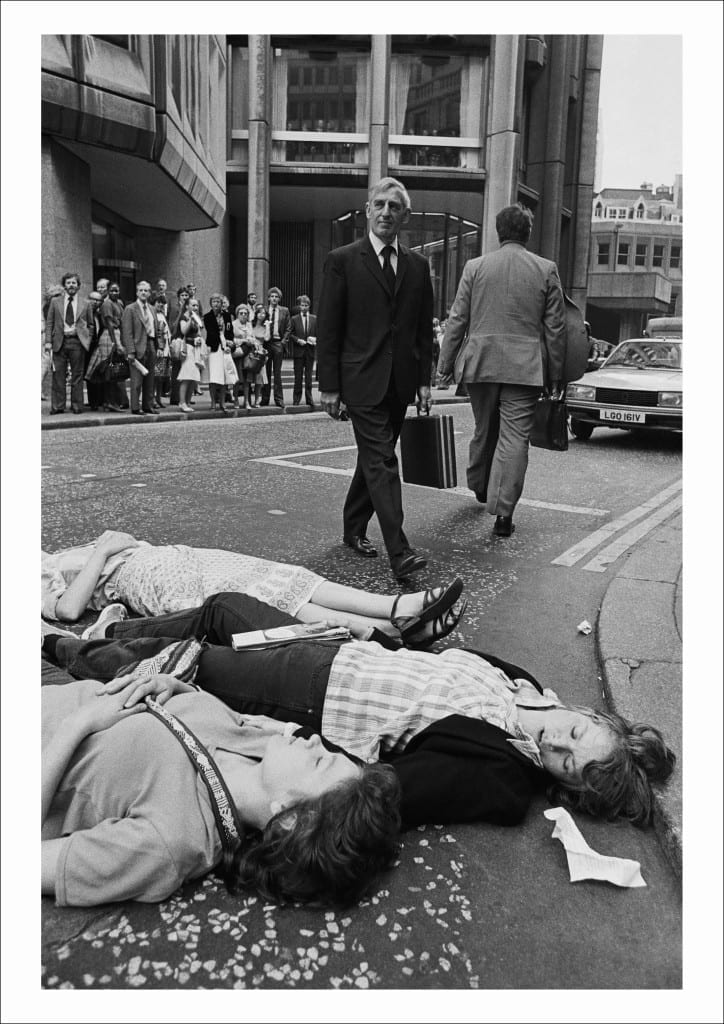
column 630, row 417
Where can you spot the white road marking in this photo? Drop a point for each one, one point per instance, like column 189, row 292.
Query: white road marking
column 275, row 512
column 87, row 476
column 286, row 460
column 138, row 485
column 578, row 509
column 609, row 554
column 585, row 546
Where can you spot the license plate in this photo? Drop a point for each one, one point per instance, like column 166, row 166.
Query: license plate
column 621, row 416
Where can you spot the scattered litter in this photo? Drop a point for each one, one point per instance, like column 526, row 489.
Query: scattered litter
column 584, row 627
column 583, row 862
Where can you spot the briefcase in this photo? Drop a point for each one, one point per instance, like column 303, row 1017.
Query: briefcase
column 427, row 447
column 550, row 426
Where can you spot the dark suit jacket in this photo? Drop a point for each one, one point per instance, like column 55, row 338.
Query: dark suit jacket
column 366, row 334
column 297, row 331
column 55, row 322
column 213, row 338
column 285, row 325
column 133, row 330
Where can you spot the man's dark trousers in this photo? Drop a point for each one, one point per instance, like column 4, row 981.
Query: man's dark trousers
column 303, row 365
column 288, row 683
column 375, row 486
column 70, row 353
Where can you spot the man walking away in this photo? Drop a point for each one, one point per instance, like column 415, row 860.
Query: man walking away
column 510, row 305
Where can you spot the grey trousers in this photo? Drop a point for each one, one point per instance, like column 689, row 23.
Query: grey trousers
column 499, row 446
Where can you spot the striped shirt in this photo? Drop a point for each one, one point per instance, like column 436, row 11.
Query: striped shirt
column 377, row 700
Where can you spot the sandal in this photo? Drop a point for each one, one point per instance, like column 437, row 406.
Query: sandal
column 442, row 626
column 434, row 603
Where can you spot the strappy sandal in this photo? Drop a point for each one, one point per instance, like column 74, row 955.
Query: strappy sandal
column 435, row 603
column 442, row 626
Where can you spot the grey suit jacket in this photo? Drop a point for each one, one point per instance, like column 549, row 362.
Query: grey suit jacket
column 509, row 305
column 133, row 330
column 55, row 322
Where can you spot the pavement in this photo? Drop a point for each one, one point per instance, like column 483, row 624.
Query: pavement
column 421, row 928
column 640, row 652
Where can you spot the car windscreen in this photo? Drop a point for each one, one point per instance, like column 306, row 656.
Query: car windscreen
column 647, row 355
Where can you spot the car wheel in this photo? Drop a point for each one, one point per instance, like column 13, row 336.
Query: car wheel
column 581, row 429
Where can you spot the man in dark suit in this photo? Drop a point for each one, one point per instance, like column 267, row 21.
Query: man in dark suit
column 67, row 334
column 374, row 352
column 280, row 325
column 139, row 329
column 303, row 337
column 509, row 306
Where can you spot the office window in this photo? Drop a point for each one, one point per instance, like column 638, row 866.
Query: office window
column 120, row 41
column 320, row 92
column 641, row 253
column 616, row 212
column 623, row 254
column 675, row 258
column 598, row 212
column 640, row 212
column 438, row 96
column 658, row 258
column 604, row 253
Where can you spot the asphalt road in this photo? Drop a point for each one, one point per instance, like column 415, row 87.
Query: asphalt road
column 468, row 907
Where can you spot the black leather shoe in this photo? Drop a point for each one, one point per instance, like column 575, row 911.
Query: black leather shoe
column 362, row 546
column 113, row 408
column 151, row 411
column 76, row 409
column 136, row 412
column 56, row 412
column 407, row 564
column 503, row 526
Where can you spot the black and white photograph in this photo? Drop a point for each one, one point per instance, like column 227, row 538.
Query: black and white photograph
column 369, row 525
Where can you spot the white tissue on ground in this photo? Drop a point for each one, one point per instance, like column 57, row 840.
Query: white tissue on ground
column 583, row 862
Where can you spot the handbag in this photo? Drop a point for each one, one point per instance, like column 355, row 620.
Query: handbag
column 117, row 368
column 550, row 424
column 254, row 361
column 230, row 374
column 177, row 347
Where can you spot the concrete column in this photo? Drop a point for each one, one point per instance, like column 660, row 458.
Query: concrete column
column 555, row 149
column 501, row 140
column 379, row 108
column 260, row 95
column 586, row 167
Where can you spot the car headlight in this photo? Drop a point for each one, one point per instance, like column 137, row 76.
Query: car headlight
column 581, row 391
column 670, row 399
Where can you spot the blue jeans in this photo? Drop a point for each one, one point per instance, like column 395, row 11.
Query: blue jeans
column 288, row 683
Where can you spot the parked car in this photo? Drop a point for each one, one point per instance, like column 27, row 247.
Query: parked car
column 638, row 387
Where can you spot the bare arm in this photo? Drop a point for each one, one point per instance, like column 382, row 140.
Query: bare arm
column 74, row 601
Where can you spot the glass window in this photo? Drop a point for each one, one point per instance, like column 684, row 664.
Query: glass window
column 320, row 93
column 658, row 258
column 121, row 41
column 640, row 212
column 604, row 252
column 438, row 97
column 623, row 254
column 675, row 258
column 641, row 253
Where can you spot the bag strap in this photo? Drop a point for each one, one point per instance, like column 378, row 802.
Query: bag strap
column 227, row 820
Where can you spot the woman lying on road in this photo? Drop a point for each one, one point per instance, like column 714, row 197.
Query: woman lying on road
column 470, row 736
column 127, row 815
column 153, row 580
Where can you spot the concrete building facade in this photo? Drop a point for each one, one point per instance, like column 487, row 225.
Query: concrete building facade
column 239, row 161
column 635, row 269
column 133, row 158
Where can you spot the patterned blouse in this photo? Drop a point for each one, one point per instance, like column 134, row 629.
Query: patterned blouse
column 377, row 700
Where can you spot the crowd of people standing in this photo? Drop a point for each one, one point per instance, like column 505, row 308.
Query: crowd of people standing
column 167, row 347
